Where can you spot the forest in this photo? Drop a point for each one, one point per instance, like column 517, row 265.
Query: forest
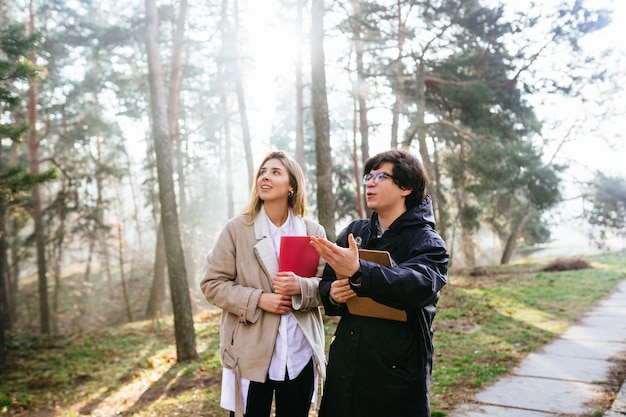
column 131, row 130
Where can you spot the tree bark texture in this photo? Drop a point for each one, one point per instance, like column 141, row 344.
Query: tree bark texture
column 5, row 321
column 33, row 155
column 179, row 287
column 300, row 156
column 360, row 80
column 157, row 291
column 511, row 242
column 241, row 100
column 223, row 70
column 319, row 104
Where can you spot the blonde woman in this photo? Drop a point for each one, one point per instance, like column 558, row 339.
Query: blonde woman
column 271, row 335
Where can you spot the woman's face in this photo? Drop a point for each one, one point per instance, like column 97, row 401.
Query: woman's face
column 273, row 181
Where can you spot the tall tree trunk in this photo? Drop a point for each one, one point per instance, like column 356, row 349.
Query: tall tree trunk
column 33, row 155
column 56, row 252
column 468, row 246
column 120, row 253
column 360, row 79
column 87, row 275
column 13, row 268
column 226, row 33
column 133, row 192
column 319, row 105
column 398, row 69
column 101, row 232
column 360, row 203
column 5, row 320
column 430, row 164
column 300, row 156
column 511, row 242
column 177, row 139
column 437, row 196
column 179, row 287
column 361, row 107
column 157, row 291
column 241, row 99
column 174, row 101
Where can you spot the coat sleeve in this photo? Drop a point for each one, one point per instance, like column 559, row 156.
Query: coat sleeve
column 219, row 282
column 413, row 283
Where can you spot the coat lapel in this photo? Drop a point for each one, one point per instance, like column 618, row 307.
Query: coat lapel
column 264, row 248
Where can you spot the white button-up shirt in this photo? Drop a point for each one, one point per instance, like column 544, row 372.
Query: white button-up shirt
column 291, row 351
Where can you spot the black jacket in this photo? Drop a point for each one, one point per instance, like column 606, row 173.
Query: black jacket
column 382, row 367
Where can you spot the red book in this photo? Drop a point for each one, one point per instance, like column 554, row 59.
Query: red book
column 298, row 256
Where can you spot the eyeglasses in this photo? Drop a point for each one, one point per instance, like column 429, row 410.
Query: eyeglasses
column 378, row 177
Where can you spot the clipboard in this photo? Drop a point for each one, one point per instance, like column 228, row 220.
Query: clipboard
column 365, row 306
column 298, row 256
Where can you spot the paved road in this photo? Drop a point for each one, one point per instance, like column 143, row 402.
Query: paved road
column 566, row 377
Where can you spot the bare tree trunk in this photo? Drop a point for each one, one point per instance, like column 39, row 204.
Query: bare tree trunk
column 226, row 45
column 5, row 319
column 174, row 101
column 468, row 247
column 120, row 253
column 56, row 253
column 155, row 306
column 325, row 200
column 511, row 242
column 5, row 322
column 100, row 229
column 87, row 276
column 437, row 197
column 360, row 79
column 179, row 287
column 33, row 155
column 131, row 184
column 157, row 291
column 300, row 156
column 360, row 203
column 398, row 80
column 14, row 273
column 241, row 99
column 360, row 107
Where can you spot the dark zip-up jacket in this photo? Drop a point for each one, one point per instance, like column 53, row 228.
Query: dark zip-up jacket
column 382, row 367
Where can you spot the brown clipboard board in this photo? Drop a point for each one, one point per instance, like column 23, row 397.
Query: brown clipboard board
column 365, row 306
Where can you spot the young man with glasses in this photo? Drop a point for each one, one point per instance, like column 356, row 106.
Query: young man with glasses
column 380, row 366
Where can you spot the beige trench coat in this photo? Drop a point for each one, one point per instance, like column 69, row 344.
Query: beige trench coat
column 238, row 269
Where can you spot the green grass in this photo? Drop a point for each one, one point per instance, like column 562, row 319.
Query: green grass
column 485, row 325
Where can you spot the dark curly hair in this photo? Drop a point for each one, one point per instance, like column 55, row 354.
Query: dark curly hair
column 408, row 173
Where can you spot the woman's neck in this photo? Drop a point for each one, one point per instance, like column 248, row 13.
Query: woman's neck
column 277, row 213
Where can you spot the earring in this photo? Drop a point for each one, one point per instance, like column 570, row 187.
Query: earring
column 290, row 193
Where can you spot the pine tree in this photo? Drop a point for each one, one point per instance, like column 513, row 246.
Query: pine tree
column 15, row 181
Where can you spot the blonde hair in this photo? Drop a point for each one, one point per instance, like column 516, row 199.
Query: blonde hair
column 295, row 201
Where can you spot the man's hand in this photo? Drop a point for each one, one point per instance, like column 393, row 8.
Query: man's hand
column 340, row 291
column 344, row 261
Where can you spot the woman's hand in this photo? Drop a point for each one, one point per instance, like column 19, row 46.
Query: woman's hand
column 275, row 303
column 286, row 283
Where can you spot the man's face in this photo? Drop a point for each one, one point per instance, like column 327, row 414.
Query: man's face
column 382, row 194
